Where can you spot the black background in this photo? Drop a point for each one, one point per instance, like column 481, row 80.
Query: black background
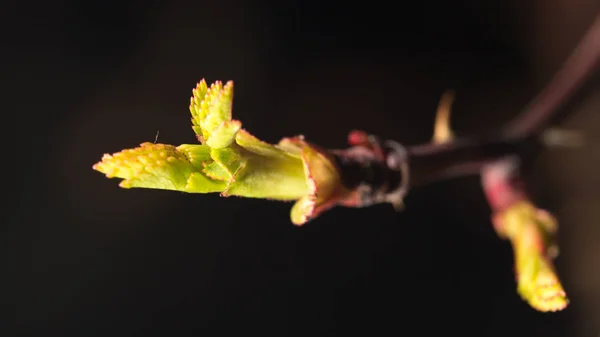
column 86, row 258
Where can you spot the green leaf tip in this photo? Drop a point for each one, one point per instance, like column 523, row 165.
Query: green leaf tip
column 211, row 114
column 158, row 166
column 231, row 161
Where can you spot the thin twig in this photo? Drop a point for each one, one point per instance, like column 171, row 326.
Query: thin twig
column 581, row 64
column 436, row 161
column 462, row 156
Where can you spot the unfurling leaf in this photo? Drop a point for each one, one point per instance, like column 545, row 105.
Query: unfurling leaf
column 231, row 161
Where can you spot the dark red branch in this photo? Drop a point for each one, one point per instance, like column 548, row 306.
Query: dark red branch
column 464, row 156
column 581, row 64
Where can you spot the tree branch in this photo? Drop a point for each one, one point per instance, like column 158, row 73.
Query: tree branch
column 383, row 172
column 465, row 156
